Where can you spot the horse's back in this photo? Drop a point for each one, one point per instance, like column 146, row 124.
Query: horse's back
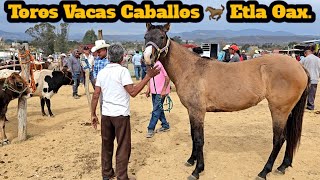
column 238, row 86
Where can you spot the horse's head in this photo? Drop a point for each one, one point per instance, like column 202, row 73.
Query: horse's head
column 17, row 85
column 207, row 9
column 156, row 42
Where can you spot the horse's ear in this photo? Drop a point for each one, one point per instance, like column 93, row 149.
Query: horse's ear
column 148, row 25
column 167, row 27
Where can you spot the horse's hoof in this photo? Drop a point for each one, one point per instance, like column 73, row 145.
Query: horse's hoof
column 5, row 142
column 188, row 164
column 260, row 178
column 51, row 115
column 279, row 172
column 191, row 177
column 44, row 114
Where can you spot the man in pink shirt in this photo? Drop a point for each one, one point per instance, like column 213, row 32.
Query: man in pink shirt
column 159, row 88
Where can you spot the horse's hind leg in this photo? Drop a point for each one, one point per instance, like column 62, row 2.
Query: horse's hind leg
column 287, row 161
column 279, row 121
column 196, row 121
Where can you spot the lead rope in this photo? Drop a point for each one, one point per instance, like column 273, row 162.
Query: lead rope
column 168, row 102
column 32, row 84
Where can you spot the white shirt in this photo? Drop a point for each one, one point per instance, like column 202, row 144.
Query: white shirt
column 312, row 64
column 116, row 100
column 90, row 59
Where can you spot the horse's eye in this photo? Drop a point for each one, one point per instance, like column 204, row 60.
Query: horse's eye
column 162, row 37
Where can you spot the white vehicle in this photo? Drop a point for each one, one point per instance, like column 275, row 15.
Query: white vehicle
column 210, row 50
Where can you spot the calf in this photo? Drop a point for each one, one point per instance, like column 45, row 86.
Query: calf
column 48, row 83
column 11, row 87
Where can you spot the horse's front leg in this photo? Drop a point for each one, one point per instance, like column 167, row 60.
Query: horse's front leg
column 193, row 157
column 196, row 121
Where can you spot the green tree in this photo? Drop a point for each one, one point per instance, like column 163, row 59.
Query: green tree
column 61, row 42
column 43, row 36
column 245, row 47
column 90, row 37
column 291, row 44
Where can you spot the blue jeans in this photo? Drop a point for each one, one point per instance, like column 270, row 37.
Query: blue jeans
column 137, row 69
column 157, row 113
column 76, row 79
column 144, row 72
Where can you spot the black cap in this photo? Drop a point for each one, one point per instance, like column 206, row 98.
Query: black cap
column 86, row 48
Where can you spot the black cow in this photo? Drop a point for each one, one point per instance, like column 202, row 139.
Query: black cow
column 48, row 83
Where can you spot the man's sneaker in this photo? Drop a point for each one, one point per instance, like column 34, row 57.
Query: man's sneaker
column 162, row 129
column 76, row 96
column 150, row 133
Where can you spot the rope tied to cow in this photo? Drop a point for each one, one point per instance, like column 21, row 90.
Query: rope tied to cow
column 28, row 59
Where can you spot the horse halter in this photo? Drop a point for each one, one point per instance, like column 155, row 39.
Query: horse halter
column 159, row 51
column 6, row 86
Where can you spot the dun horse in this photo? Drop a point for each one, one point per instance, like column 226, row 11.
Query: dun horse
column 212, row 86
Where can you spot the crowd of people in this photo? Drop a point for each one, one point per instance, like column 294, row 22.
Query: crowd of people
column 231, row 53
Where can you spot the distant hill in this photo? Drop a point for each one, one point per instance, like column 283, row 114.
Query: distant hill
column 250, row 36
column 14, row 36
column 205, row 34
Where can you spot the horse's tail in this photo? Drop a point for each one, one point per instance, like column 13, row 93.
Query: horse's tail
column 222, row 7
column 294, row 123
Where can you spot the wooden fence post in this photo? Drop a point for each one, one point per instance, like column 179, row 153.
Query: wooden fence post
column 100, row 37
column 87, row 82
column 22, row 102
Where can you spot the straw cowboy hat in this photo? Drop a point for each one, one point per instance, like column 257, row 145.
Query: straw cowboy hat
column 226, row 47
column 63, row 54
column 99, row 44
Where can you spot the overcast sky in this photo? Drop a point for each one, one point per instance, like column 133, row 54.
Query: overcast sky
column 138, row 28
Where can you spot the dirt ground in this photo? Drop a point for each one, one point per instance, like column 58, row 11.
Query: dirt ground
column 237, row 144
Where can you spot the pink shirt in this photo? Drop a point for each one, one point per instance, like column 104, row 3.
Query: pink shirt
column 159, row 80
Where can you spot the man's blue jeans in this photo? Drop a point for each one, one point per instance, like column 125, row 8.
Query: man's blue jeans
column 137, row 71
column 157, row 113
column 76, row 79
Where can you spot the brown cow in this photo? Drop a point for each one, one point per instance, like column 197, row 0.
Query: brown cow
column 11, row 88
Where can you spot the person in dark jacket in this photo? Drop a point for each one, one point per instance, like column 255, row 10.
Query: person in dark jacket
column 75, row 68
column 227, row 54
column 244, row 56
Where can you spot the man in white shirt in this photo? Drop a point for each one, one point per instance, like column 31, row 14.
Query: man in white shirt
column 115, row 83
column 312, row 64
